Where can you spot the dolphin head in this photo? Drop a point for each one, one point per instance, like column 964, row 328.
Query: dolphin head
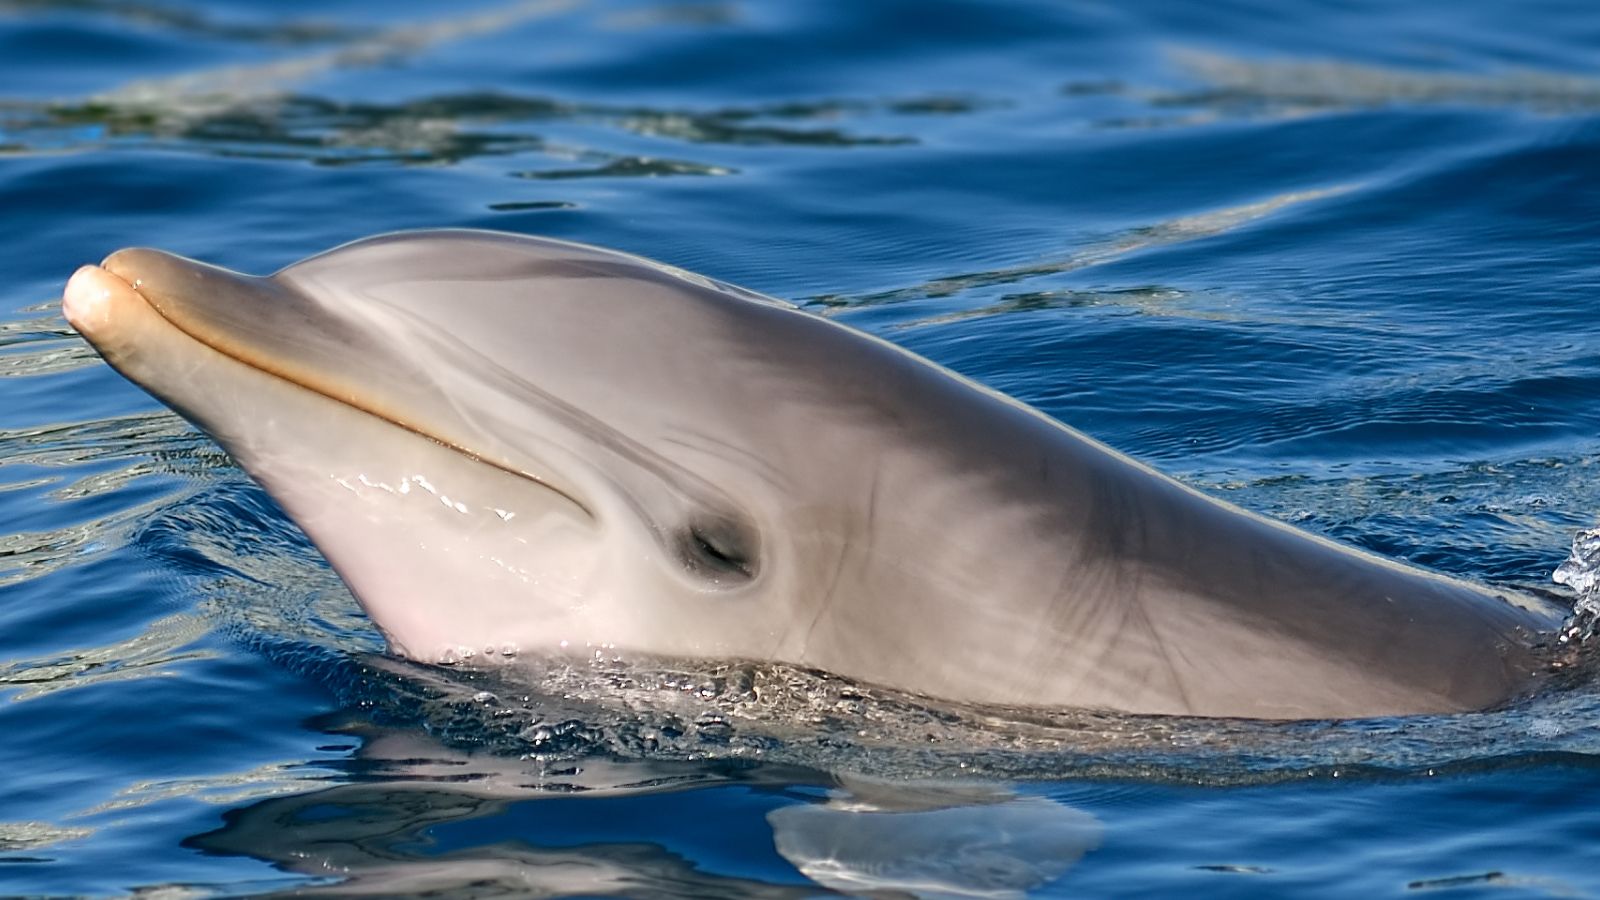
column 498, row 442
column 505, row 444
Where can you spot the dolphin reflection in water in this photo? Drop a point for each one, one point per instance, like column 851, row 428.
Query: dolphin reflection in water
column 507, row 444
column 416, row 822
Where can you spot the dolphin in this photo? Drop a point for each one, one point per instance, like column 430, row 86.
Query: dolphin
column 512, row 445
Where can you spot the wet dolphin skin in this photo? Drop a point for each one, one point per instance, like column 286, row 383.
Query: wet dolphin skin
column 506, row 444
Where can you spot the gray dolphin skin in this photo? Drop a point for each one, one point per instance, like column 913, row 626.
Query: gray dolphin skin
column 511, row 445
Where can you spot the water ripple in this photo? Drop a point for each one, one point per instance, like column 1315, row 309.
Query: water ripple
column 41, row 345
column 252, row 111
column 431, row 130
column 1108, row 249
column 1289, row 86
column 168, row 17
column 153, row 653
column 160, row 437
column 629, row 167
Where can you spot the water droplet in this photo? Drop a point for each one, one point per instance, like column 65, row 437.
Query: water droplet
column 1581, row 570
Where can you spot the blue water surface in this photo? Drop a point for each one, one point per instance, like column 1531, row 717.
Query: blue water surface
column 1335, row 262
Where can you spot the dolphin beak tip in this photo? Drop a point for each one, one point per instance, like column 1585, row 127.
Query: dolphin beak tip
column 92, row 298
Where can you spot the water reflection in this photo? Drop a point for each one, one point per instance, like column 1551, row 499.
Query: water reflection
column 140, row 445
column 427, row 820
column 41, row 344
column 1107, row 249
column 444, row 128
column 629, row 166
column 19, row 841
column 157, row 651
column 1286, row 86
column 933, row 840
column 254, row 110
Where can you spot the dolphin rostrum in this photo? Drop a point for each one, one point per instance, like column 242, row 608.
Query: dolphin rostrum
column 509, row 444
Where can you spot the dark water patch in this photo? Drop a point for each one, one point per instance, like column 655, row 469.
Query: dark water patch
column 1455, row 881
column 531, row 205
column 101, row 53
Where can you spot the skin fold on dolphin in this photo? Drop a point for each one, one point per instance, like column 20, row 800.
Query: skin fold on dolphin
column 507, row 444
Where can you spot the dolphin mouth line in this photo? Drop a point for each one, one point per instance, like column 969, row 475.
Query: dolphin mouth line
column 134, row 285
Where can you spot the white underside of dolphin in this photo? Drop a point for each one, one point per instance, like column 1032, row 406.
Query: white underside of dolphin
column 510, row 445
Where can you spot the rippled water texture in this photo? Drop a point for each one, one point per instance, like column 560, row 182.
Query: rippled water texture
column 1334, row 262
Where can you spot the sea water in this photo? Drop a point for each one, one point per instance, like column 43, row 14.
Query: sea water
column 1333, row 262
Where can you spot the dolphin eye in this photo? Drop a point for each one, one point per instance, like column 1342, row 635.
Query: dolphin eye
column 719, row 552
